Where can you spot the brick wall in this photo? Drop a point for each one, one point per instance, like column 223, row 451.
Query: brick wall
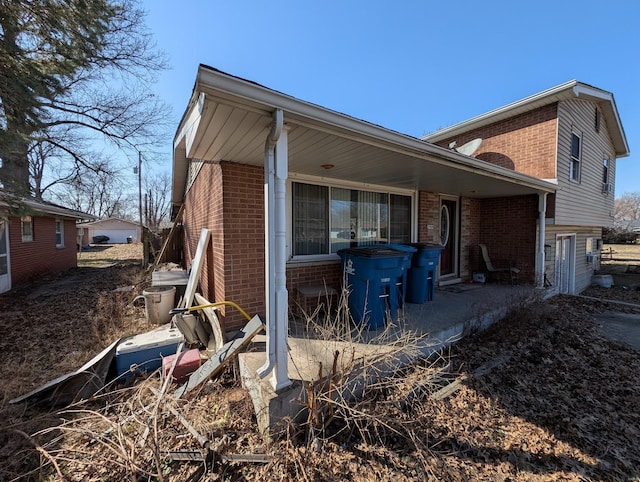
column 508, row 229
column 526, row 143
column 428, row 214
column 227, row 198
column 470, row 235
column 40, row 256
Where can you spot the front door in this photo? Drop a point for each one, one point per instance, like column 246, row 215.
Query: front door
column 565, row 256
column 5, row 273
column 449, row 237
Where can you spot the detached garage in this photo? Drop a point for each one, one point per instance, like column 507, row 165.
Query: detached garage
column 116, row 229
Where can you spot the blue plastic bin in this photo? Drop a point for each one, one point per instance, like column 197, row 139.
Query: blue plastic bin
column 421, row 278
column 373, row 274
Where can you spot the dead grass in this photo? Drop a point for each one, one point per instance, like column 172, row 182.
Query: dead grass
column 563, row 405
column 104, row 254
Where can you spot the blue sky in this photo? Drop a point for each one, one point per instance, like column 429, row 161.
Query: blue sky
column 411, row 66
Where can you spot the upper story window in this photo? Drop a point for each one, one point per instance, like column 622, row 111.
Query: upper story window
column 597, row 120
column 26, row 223
column 576, row 156
column 59, row 233
column 327, row 218
column 606, row 185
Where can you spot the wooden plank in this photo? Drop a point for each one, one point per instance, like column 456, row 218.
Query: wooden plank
column 482, row 370
column 222, row 357
column 210, row 315
column 196, row 266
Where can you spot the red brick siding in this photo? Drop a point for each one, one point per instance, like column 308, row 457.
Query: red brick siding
column 508, row 229
column 526, row 143
column 40, row 256
column 428, row 214
column 228, row 199
column 327, row 274
column 470, row 235
column 243, row 200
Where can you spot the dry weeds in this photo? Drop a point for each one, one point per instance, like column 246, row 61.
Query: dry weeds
column 564, row 404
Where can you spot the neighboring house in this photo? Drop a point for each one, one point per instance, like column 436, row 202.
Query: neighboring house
column 116, row 229
column 328, row 175
column 570, row 135
column 41, row 239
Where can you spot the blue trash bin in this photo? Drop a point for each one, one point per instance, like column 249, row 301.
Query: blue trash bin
column 421, row 278
column 372, row 274
column 401, row 284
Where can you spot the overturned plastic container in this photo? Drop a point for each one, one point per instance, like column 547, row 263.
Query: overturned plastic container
column 158, row 302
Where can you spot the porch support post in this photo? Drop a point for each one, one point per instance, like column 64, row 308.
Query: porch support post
column 540, row 258
column 277, row 297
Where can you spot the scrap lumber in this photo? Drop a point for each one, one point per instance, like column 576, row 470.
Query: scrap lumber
column 196, row 266
column 222, row 357
column 210, row 315
column 177, row 220
column 454, row 386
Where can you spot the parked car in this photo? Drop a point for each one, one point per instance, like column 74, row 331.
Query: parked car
column 100, row 239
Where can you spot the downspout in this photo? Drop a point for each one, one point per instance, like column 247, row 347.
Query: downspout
column 277, row 296
column 540, row 258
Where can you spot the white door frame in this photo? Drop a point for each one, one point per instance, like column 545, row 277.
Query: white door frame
column 5, row 278
column 565, row 264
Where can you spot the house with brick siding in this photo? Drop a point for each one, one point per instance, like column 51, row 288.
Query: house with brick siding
column 570, row 135
column 36, row 238
column 339, row 181
column 283, row 184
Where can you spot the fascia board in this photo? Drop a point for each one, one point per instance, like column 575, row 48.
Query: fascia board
column 257, row 97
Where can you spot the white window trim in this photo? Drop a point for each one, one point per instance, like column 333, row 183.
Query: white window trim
column 26, row 239
column 578, row 178
column 61, row 223
column 339, row 183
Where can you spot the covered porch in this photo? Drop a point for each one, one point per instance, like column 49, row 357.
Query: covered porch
column 318, row 354
column 234, row 122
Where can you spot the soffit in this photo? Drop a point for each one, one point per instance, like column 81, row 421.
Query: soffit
column 221, row 126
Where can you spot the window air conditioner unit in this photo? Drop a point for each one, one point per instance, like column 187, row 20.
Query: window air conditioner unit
column 606, row 187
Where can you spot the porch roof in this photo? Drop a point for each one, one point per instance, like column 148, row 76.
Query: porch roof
column 228, row 119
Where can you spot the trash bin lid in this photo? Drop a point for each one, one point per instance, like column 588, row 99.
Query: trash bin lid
column 372, row 252
column 422, row 246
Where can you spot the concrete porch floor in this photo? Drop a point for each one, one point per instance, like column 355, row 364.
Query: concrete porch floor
column 435, row 325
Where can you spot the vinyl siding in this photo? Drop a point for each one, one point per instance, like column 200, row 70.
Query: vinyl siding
column 583, row 270
column 583, row 203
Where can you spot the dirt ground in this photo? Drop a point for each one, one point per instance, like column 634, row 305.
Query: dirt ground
column 542, row 395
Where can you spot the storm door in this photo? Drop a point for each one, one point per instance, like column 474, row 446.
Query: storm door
column 565, row 263
column 449, row 238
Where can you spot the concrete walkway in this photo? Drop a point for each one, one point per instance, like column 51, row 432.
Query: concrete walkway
column 623, row 327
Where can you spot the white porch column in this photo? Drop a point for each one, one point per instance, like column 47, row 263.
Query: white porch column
column 540, row 258
column 277, row 297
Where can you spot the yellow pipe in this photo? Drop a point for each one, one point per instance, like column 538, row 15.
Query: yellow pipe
column 220, row 303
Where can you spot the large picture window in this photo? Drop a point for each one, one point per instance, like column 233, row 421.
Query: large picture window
column 327, row 219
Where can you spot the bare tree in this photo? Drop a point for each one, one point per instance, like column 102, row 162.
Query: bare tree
column 627, row 210
column 157, row 191
column 73, row 72
column 102, row 194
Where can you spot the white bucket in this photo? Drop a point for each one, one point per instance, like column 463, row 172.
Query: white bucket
column 605, row 280
column 158, row 301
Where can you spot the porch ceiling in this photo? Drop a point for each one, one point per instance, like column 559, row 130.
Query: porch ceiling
column 229, row 119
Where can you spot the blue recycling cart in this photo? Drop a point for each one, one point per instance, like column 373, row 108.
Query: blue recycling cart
column 376, row 277
column 421, row 278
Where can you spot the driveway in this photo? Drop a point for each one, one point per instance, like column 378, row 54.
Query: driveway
column 624, row 327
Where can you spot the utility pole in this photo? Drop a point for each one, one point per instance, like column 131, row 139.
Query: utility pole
column 142, row 236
